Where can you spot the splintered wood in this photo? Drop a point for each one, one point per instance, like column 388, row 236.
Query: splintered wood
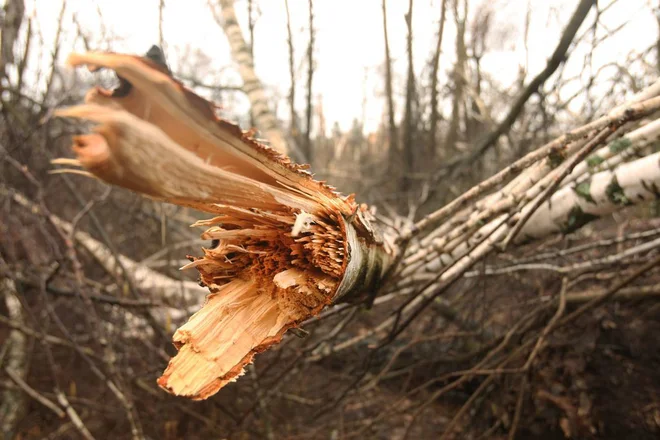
column 285, row 245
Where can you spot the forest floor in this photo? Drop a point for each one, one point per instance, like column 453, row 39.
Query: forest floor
column 598, row 378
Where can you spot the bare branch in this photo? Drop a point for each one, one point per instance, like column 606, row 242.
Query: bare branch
column 557, row 58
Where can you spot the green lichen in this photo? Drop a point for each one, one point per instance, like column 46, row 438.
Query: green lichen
column 594, row 160
column 615, row 193
column 618, row 145
column 576, row 219
column 583, row 190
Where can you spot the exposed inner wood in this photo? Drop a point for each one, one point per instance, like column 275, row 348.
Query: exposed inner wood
column 190, row 121
column 216, row 342
column 129, row 152
column 264, row 281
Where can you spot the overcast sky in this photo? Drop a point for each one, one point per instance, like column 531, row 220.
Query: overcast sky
column 349, row 41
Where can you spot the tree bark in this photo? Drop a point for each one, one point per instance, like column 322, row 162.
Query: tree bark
column 408, row 123
column 13, row 12
column 15, row 358
column 458, row 77
column 433, row 133
column 310, row 76
column 294, row 129
column 393, row 136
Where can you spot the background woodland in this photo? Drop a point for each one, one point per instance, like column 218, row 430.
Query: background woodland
column 91, row 290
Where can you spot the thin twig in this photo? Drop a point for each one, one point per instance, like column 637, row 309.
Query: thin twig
column 34, row 393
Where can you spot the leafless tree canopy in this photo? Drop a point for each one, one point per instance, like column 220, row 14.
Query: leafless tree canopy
column 495, row 274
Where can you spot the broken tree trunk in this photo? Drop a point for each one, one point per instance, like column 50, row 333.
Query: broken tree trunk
column 287, row 245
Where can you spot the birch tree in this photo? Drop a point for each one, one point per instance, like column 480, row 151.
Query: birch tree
column 264, row 119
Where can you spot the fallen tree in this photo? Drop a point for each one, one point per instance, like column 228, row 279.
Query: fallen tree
column 287, row 246
column 169, row 291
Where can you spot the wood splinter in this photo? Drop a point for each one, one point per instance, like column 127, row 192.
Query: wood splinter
column 286, row 244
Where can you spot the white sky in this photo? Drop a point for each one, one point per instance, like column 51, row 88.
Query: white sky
column 349, row 41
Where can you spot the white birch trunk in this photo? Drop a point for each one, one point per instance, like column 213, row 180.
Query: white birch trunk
column 158, row 286
column 263, row 116
column 573, row 206
column 14, row 356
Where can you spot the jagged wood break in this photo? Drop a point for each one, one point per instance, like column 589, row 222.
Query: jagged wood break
column 287, row 245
